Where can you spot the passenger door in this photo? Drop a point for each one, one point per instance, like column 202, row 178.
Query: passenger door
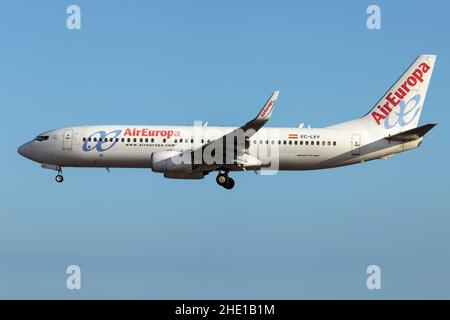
column 67, row 139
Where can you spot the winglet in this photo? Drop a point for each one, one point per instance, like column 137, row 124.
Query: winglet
column 266, row 111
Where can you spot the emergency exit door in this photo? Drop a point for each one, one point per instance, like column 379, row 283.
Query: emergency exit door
column 356, row 144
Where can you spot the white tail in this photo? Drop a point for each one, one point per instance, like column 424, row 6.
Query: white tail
column 400, row 107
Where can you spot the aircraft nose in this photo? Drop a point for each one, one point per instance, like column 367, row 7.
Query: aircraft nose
column 25, row 150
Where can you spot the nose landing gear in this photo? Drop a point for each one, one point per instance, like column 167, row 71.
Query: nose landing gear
column 59, row 178
column 224, row 180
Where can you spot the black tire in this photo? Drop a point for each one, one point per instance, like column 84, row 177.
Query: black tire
column 221, row 179
column 59, row 178
column 229, row 184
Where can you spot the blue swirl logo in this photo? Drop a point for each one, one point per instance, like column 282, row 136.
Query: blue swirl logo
column 101, row 141
column 402, row 113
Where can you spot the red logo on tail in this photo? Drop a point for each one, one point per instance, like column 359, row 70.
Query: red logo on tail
column 393, row 99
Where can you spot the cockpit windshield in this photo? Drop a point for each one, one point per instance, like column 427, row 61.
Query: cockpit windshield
column 41, row 138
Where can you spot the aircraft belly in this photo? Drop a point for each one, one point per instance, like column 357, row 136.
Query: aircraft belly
column 299, row 161
column 116, row 159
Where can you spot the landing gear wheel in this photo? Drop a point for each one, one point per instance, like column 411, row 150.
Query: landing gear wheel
column 221, row 179
column 229, row 184
column 224, row 180
column 59, row 178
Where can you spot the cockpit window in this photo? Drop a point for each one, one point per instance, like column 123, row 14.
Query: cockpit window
column 41, row 138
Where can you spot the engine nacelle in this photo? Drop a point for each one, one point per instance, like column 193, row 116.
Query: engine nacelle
column 170, row 162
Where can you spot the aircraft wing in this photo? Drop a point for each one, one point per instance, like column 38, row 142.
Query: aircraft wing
column 242, row 133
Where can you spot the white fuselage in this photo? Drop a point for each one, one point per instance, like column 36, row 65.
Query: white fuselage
column 131, row 146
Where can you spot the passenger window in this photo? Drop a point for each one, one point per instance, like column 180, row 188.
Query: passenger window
column 146, row 140
column 129, row 139
column 84, row 139
column 267, row 141
column 134, row 140
column 153, row 140
column 95, row 139
column 306, row 142
column 284, row 141
column 323, row 143
column 329, row 143
column 164, row 140
column 295, row 142
column 192, row 140
column 318, row 143
column 290, row 141
column 334, row 143
column 279, row 141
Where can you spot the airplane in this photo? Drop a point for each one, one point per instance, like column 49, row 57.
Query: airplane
column 192, row 152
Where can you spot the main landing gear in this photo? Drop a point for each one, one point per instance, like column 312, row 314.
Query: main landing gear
column 224, row 180
column 59, row 178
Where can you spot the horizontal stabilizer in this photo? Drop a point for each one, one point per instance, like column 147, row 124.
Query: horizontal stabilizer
column 413, row 134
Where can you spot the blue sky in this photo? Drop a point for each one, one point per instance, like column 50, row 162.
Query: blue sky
column 293, row 235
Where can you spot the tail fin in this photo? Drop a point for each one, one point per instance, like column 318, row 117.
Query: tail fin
column 400, row 108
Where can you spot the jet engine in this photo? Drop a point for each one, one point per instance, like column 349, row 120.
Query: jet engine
column 171, row 161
